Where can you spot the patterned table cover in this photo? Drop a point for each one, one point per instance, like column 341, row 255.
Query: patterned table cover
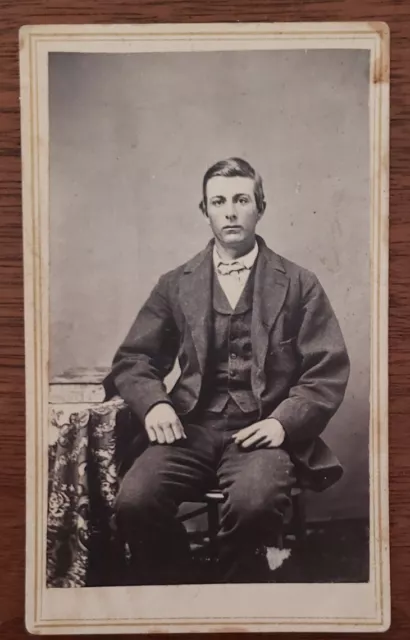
column 83, row 546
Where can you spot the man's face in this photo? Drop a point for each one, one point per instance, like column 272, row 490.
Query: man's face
column 232, row 209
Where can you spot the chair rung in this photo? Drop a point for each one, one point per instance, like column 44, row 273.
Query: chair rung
column 217, row 496
column 214, row 496
column 193, row 514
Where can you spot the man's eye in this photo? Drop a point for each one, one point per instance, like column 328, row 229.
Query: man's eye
column 217, row 203
column 243, row 201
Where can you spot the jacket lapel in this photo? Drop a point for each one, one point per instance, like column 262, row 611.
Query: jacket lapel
column 195, row 297
column 271, row 286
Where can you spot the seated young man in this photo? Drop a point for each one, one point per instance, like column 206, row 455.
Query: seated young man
column 263, row 369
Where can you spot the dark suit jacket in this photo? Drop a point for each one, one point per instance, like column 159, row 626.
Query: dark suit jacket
column 300, row 365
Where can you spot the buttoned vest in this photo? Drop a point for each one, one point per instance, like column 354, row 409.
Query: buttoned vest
column 230, row 356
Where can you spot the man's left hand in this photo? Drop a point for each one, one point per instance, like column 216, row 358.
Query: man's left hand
column 266, row 434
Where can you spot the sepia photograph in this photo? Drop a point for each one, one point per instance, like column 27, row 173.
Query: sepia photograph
column 206, row 334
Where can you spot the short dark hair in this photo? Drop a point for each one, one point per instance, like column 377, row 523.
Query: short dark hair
column 229, row 169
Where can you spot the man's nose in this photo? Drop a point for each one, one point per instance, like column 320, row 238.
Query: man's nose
column 231, row 211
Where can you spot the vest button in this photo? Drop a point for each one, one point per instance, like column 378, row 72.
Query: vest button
column 233, row 356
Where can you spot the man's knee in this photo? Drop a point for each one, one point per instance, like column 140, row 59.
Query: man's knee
column 245, row 508
column 248, row 506
column 134, row 498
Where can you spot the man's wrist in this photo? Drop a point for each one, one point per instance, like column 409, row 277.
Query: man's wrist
column 277, row 421
column 281, row 427
column 155, row 404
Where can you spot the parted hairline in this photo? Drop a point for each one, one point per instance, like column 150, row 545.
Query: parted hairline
column 231, row 168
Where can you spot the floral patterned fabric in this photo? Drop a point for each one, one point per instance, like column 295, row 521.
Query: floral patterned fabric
column 83, row 546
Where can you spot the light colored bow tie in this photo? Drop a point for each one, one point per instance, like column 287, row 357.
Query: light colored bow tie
column 226, row 268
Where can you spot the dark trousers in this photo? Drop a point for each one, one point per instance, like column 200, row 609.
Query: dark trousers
column 256, row 484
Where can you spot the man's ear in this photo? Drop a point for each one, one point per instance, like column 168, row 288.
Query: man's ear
column 202, row 207
column 261, row 210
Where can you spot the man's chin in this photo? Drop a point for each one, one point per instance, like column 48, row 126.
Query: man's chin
column 232, row 238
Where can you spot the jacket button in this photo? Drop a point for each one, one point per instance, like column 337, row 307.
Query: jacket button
column 233, row 356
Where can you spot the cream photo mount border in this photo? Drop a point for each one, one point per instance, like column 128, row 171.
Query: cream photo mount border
column 274, row 607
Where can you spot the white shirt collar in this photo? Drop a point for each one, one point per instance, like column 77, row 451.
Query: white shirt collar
column 248, row 260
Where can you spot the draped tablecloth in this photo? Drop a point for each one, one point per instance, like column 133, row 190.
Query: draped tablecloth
column 83, row 545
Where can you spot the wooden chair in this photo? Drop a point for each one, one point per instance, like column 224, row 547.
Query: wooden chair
column 212, row 500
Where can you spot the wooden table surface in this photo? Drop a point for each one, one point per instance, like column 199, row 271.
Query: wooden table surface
column 13, row 14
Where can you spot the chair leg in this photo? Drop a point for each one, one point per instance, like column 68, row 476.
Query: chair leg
column 280, row 542
column 299, row 517
column 213, row 528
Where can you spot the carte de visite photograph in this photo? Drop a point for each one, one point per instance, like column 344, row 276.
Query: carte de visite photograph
column 206, row 259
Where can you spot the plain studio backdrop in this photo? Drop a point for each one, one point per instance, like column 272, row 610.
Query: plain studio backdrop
column 131, row 136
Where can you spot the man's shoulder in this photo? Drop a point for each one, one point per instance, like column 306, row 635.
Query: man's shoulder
column 169, row 281
column 290, row 268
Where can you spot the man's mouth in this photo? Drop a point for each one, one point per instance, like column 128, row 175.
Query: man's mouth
column 234, row 227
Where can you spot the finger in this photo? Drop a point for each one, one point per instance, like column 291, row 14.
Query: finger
column 160, row 434
column 273, row 444
column 252, row 440
column 151, row 434
column 182, row 430
column 169, row 434
column 245, row 433
column 178, row 430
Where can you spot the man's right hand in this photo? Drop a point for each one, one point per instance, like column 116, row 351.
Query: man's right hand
column 163, row 425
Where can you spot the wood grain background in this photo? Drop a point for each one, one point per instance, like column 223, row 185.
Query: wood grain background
column 15, row 13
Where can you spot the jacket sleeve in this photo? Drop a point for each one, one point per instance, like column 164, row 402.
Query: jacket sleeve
column 324, row 368
column 147, row 354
